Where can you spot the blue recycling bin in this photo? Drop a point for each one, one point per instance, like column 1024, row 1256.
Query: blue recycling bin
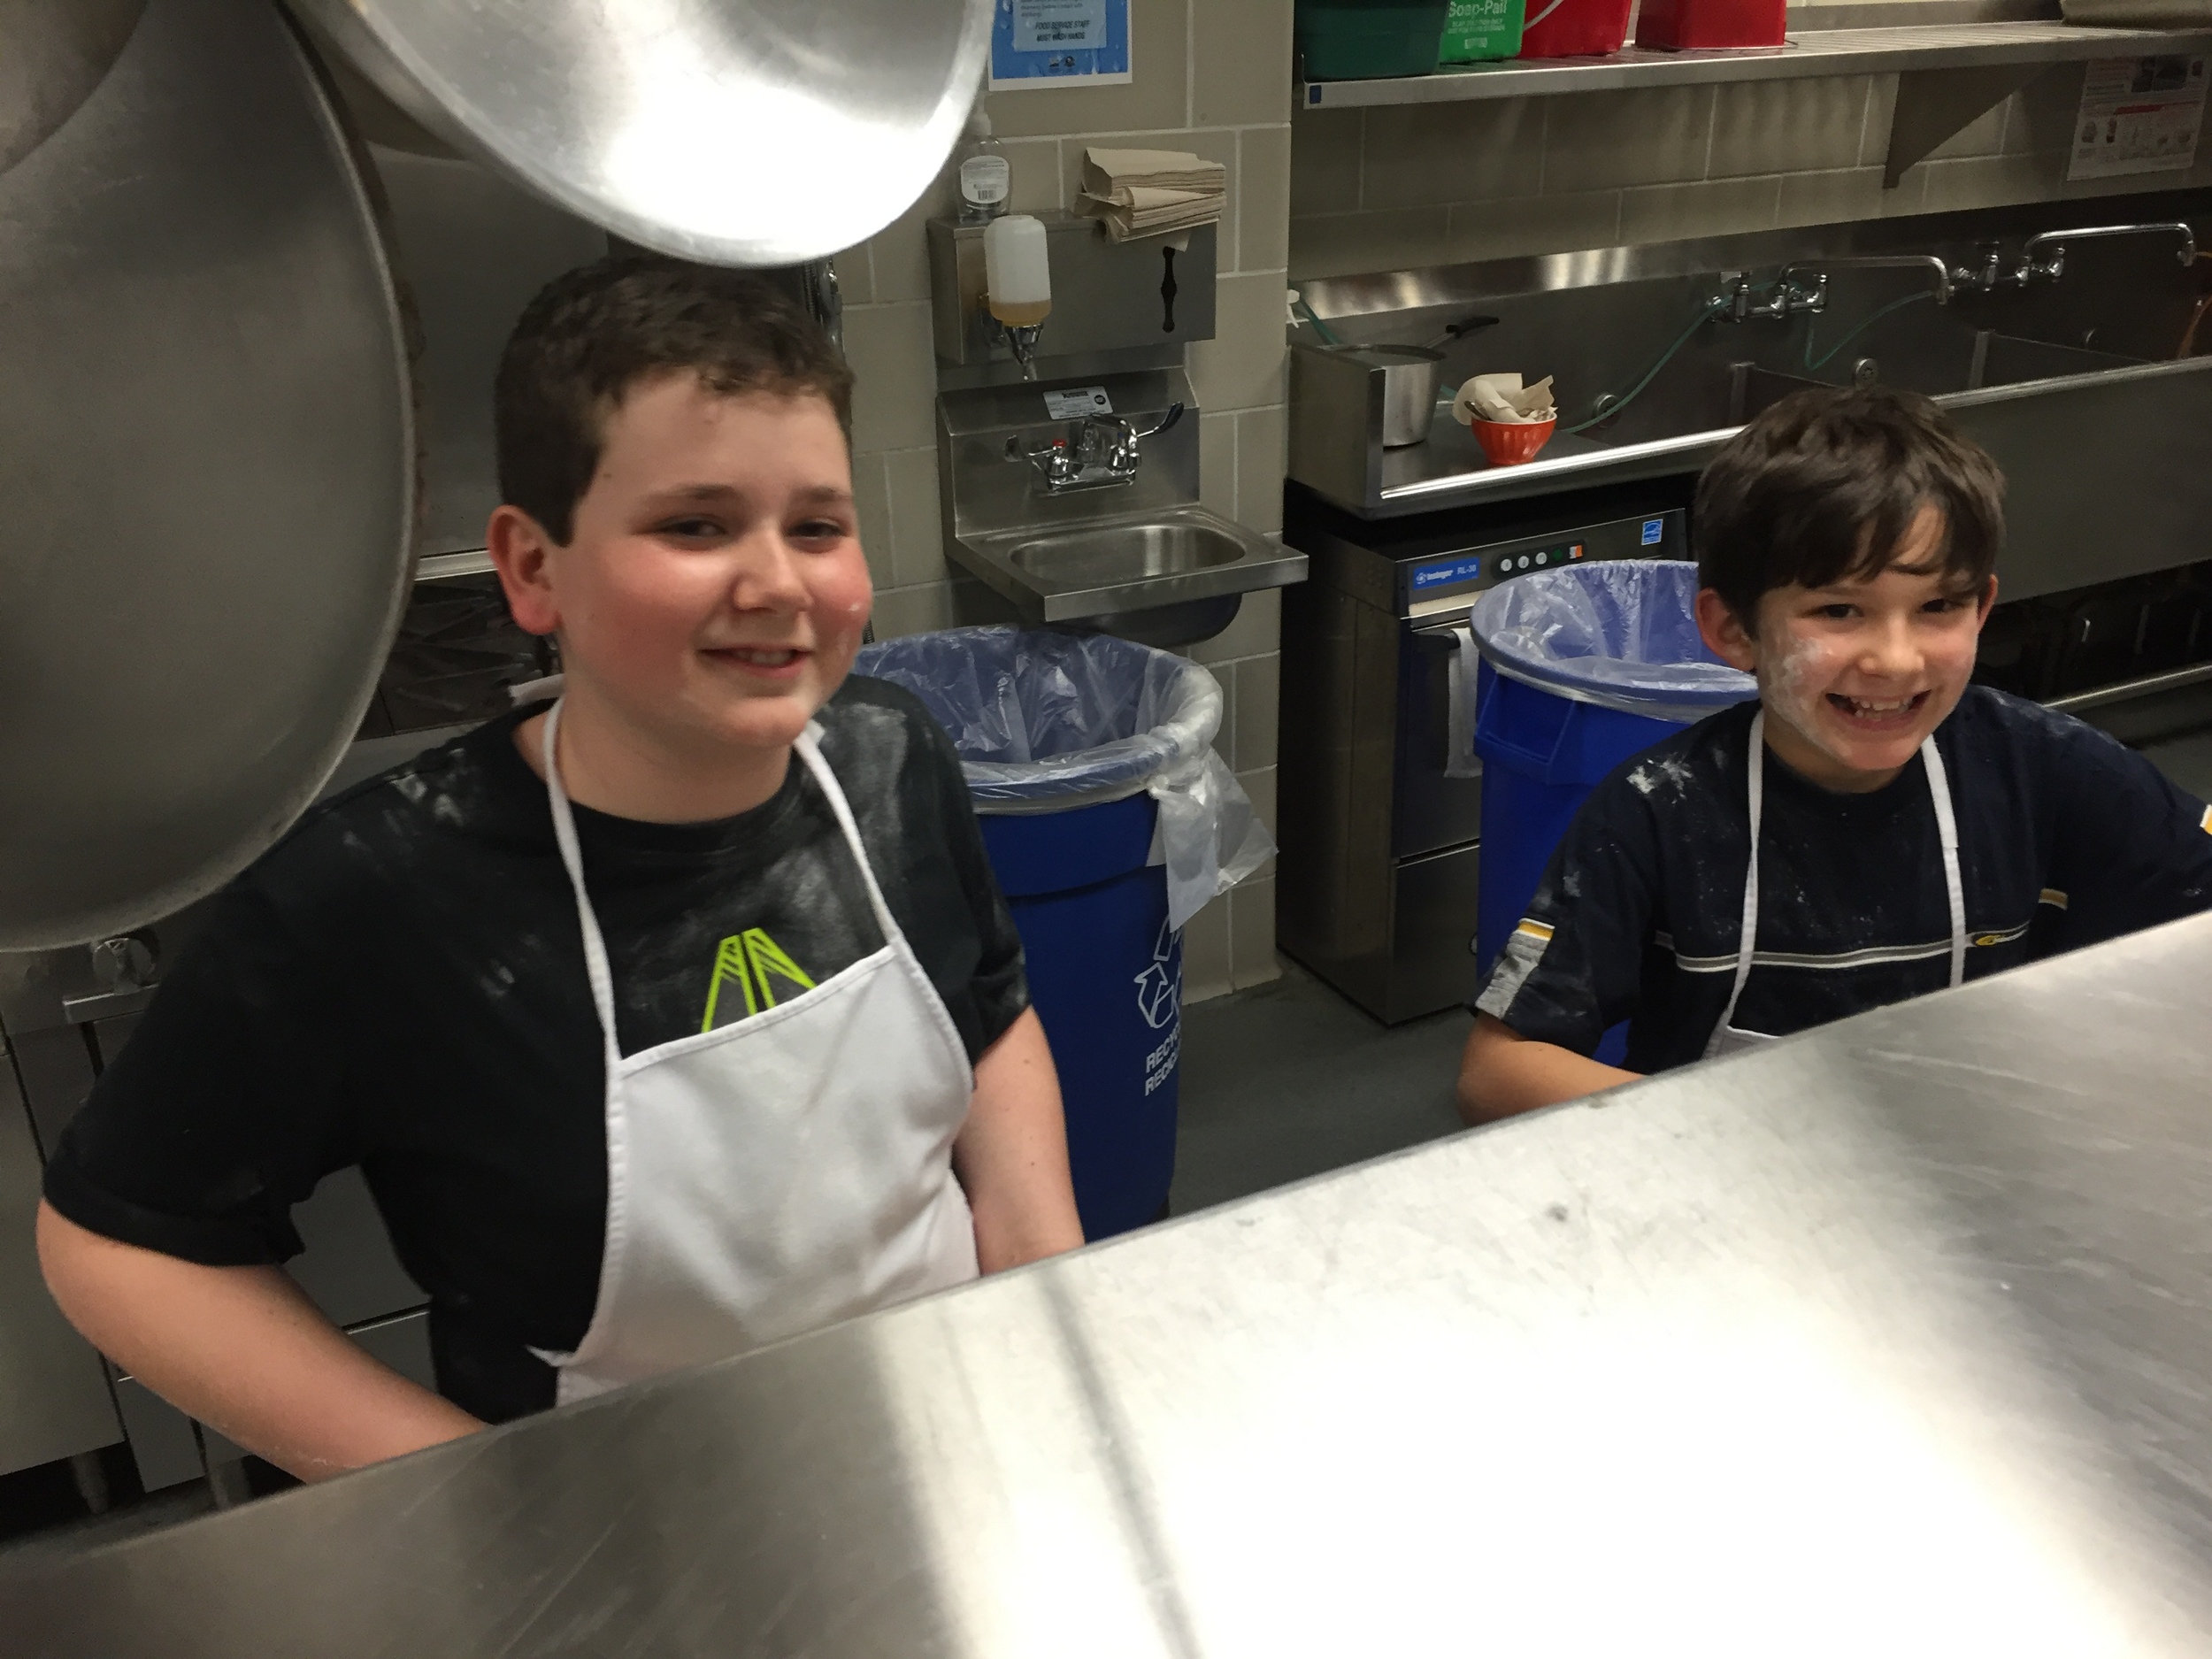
column 1106, row 977
column 1583, row 668
column 1083, row 753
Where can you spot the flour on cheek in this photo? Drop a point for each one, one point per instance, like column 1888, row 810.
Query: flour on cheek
column 1791, row 686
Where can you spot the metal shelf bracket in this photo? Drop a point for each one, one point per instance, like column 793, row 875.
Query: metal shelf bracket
column 1932, row 105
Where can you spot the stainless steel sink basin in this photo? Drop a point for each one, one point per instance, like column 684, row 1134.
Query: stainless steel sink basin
column 1128, row 552
column 1177, row 574
column 1139, row 556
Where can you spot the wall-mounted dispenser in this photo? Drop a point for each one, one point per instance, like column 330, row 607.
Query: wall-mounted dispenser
column 1104, row 296
column 1017, row 283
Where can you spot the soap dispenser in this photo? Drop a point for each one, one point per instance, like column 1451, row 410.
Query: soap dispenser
column 985, row 178
column 1018, row 283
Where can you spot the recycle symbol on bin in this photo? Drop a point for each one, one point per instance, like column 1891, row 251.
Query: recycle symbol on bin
column 1159, row 987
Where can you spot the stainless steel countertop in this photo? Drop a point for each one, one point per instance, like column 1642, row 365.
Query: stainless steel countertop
column 1893, row 1338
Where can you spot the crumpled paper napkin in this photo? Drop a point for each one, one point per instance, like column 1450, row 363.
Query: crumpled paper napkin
column 1501, row 397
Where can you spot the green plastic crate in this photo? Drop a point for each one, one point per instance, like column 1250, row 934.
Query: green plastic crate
column 1480, row 31
column 1347, row 39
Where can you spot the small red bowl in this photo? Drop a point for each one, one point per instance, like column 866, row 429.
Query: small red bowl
column 1512, row 443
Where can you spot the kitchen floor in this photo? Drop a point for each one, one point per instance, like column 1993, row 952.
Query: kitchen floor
column 1289, row 1079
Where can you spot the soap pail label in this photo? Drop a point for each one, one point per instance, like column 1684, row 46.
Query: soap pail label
column 1480, row 31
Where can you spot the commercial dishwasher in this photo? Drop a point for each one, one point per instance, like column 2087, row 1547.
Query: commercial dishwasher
column 1380, row 820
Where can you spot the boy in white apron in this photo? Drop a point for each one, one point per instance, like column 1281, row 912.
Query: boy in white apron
column 1873, row 827
column 673, row 1018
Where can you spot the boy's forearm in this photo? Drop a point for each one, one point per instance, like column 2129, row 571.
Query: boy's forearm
column 243, row 1349
column 1503, row 1073
column 1012, row 1157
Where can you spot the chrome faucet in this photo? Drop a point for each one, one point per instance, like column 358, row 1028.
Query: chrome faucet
column 1818, row 301
column 1735, row 303
column 1098, row 451
column 1991, row 269
column 2035, row 264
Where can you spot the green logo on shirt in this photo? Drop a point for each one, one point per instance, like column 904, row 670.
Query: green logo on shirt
column 756, row 963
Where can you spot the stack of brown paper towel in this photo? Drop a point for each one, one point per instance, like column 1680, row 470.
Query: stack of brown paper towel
column 1150, row 192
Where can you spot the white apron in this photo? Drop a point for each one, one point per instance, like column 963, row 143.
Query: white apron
column 772, row 1176
column 1727, row 1039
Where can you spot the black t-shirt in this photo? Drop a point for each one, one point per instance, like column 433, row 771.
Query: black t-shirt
column 2065, row 838
column 399, row 984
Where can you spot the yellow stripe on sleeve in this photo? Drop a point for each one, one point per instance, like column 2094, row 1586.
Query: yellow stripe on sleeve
column 1530, row 928
column 2051, row 897
column 2205, row 823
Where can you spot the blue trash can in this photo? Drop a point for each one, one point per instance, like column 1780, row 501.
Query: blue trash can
column 1087, row 756
column 1583, row 668
column 1091, row 909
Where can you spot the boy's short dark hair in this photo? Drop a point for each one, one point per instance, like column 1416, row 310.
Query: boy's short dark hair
column 593, row 333
column 1823, row 486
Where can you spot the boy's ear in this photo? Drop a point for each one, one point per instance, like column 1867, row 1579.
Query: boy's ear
column 1988, row 599
column 1724, row 634
column 519, row 547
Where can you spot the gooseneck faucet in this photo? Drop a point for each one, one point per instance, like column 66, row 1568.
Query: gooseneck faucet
column 1939, row 271
column 2037, row 264
column 1735, row 303
column 2043, row 259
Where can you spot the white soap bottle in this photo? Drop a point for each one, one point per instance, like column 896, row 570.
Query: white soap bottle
column 985, row 177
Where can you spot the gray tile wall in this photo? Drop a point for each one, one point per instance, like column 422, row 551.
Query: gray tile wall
column 1383, row 188
column 1211, row 76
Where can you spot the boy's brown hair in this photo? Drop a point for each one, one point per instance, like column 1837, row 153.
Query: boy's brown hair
column 593, row 333
column 1824, row 485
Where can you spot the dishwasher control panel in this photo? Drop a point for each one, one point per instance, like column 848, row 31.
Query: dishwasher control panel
column 1441, row 582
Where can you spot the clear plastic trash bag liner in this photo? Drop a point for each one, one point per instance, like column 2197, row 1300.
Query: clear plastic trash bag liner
column 1046, row 721
column 1621, row 633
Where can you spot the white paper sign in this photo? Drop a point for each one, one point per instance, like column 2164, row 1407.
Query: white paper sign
column 2138, row 115
column 1075, row 402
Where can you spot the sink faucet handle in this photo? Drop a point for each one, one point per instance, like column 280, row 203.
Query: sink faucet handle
column 1174, row 413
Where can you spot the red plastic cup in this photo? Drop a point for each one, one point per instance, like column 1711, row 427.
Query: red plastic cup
column 1512, row 443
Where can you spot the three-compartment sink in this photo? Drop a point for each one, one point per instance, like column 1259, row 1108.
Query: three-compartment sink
column 2070, row 382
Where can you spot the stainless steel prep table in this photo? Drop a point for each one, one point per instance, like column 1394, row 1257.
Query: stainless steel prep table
column 1894, row 1338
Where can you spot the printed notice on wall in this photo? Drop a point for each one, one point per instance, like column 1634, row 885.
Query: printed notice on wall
column 1049, row 42
column 2138, row 115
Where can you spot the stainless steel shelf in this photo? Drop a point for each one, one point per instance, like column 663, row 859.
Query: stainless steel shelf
column 1835, row 51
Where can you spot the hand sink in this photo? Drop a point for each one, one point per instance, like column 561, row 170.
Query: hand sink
column 1126, row 552
column 1099, row 570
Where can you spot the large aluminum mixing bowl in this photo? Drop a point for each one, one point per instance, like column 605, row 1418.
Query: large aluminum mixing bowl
column 206, row 472
column 52, row 54
column 735, row 132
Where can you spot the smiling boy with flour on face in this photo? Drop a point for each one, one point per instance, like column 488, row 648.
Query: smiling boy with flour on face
column 1874, row 827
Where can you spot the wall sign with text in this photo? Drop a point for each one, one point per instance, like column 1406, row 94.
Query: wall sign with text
column 1043, row 43
column 2138, row 115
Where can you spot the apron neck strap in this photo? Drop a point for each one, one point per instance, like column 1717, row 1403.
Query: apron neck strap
column 809, row 750
column 595, row 966
column 1946, row 830
column 1747, row 933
